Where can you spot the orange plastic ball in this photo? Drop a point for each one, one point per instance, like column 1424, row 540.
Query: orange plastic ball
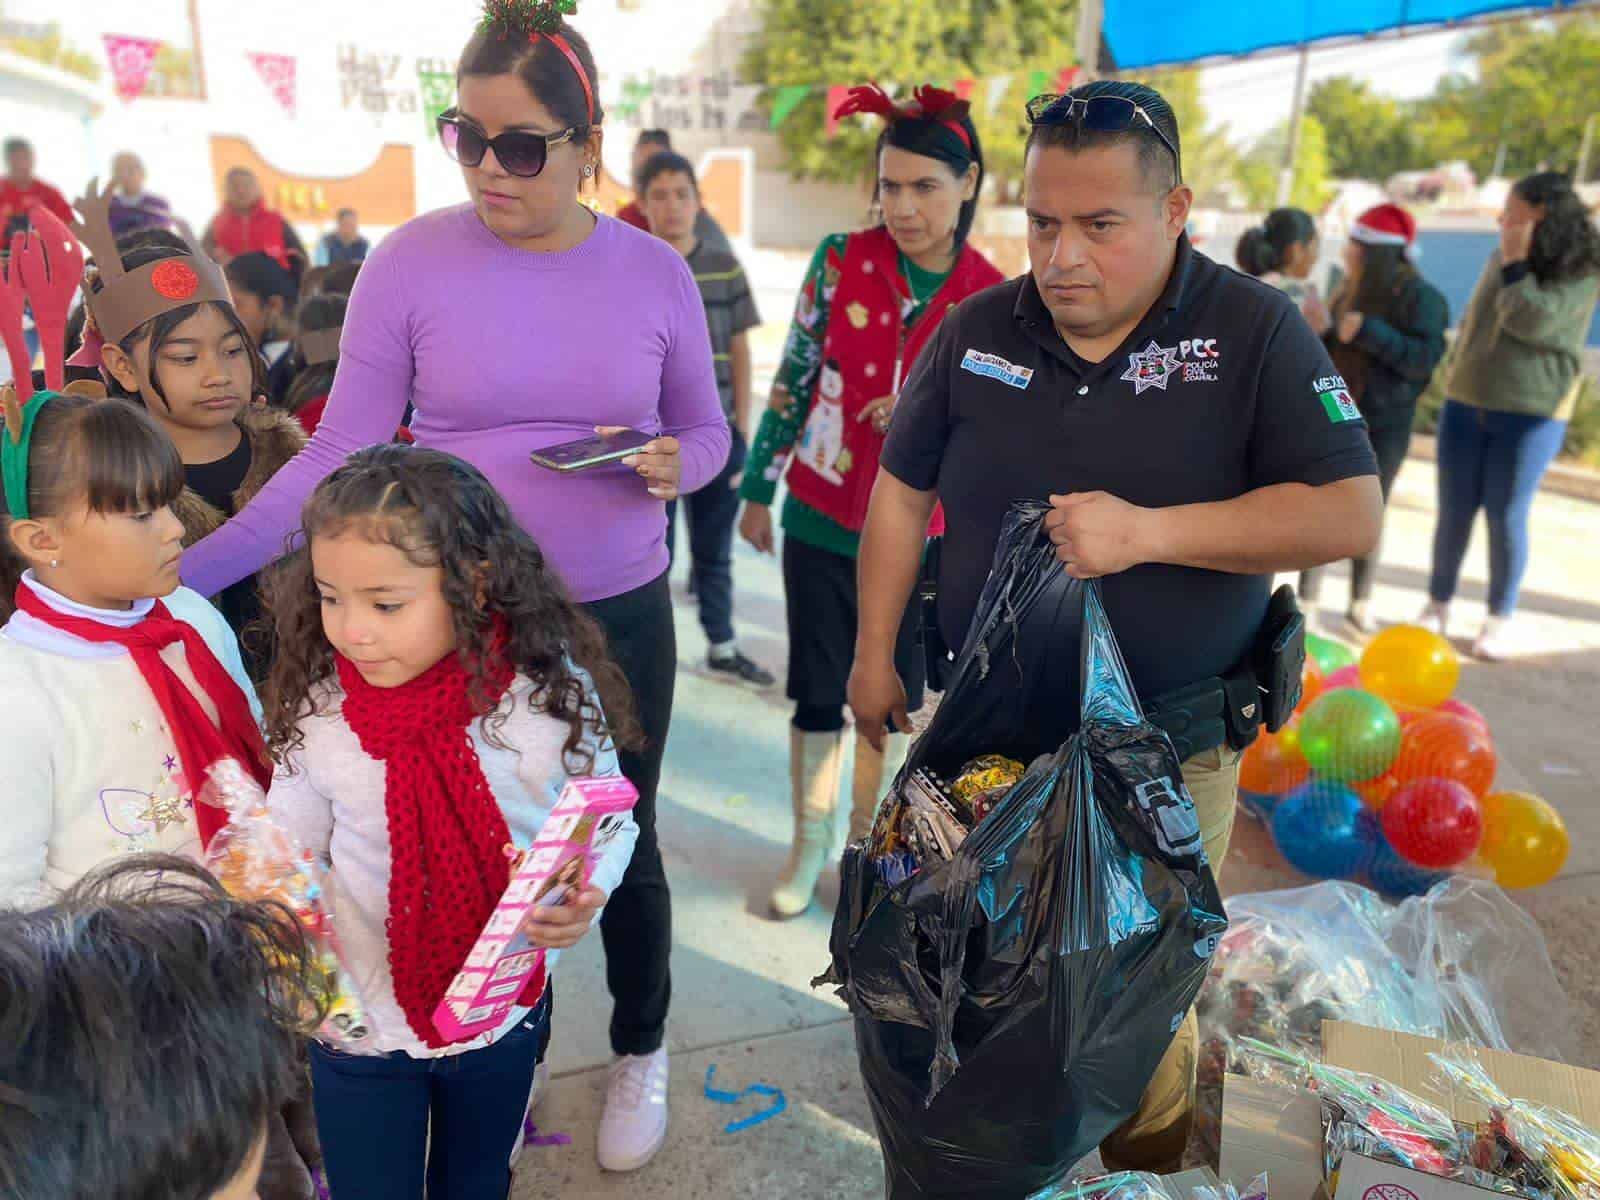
column 1444, row 746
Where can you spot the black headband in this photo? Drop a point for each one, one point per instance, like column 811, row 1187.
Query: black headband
column 932, row 139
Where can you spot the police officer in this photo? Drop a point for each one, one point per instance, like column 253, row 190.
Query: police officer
column 1183, row 422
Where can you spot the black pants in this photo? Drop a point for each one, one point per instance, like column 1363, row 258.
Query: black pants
column 636, row 926
column 1390, row 446
column 711, row 514
column 819, row 591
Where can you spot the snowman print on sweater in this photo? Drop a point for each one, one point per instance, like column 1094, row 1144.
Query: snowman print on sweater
column 822, row 445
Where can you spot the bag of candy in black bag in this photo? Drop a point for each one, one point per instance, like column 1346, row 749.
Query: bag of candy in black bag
column 1018, row 945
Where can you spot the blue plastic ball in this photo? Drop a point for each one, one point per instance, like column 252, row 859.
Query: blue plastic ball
column 1394, row 876
column 1324, row 831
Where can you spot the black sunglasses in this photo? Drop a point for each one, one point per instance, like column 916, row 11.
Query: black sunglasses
column 1102, row 114
column 521, row 153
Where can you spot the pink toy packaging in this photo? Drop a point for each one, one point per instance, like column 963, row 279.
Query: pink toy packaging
column 584, row 822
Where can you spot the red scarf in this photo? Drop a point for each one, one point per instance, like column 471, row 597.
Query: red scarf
column 260, row 229
column 448, row 866
column 200, row 743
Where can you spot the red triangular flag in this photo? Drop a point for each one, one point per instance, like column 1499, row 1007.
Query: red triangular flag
column 131, row 59
column 836, row 96
column 277, row 71
column 964, row 88
column 1068, row 79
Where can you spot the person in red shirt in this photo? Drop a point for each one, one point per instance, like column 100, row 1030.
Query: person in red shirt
column 20, row 191
column 245, row 225
column 650, row 143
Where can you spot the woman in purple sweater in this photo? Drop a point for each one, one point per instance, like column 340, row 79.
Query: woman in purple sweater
column 516, row 322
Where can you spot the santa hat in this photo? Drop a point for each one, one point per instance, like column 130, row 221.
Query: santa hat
column 1386, row 225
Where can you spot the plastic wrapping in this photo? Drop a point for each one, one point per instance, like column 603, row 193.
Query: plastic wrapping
column 256, row 859
column 1561, row 1153
column 1012, row 1002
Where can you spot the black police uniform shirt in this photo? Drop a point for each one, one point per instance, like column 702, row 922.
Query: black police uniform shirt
column 1221, row 390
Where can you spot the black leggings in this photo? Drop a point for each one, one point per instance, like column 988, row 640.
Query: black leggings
column 1390, row 446
column 636, row 926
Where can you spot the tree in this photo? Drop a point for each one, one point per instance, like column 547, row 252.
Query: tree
column 1534, row 92
column 1259, row 171
column 1210, row 160
column 1369, row 136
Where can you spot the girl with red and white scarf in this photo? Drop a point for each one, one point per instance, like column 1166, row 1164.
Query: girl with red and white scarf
column 432, row 691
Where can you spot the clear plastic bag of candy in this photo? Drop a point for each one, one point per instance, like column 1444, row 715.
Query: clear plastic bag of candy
column 1256, row 1189
column 1556, row 1149
column 1106, row 1185
column 255, row 858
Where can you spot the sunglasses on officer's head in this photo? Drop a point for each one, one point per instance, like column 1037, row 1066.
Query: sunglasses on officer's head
column 1100, row 114
column 519, row 151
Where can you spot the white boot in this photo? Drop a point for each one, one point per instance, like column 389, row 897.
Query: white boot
column 873, row 772
column 814, row 764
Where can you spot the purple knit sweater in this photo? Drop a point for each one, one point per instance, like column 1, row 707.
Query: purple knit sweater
column 503, row 352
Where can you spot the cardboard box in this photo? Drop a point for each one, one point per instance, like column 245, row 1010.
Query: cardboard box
column 1279, row 1130
column 1402, row 1059
column 1274, row 1129
column 1363, row 1178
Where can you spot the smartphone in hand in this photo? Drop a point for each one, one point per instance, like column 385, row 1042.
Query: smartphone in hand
column 589, row 452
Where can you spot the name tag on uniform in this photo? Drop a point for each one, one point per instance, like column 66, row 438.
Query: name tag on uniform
column 992, row 366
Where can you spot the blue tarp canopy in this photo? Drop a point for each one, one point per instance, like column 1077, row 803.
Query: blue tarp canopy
column 1151, row 33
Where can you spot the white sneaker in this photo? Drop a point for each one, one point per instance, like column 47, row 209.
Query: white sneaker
column 1501, row 639
column 1435, row 618
column 634, row 1126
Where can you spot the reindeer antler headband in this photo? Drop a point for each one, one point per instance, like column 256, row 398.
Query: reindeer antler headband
column 43, row 274
column 127, row 299
column 927, row 103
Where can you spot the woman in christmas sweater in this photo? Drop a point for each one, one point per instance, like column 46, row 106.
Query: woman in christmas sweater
column 870, row 302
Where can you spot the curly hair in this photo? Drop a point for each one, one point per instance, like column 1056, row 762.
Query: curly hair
column 1566, row 243
column 441, row 512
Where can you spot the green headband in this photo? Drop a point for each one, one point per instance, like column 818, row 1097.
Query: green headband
column 14, row 457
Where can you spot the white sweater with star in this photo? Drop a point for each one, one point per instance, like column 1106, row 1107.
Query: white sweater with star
column 88, row 769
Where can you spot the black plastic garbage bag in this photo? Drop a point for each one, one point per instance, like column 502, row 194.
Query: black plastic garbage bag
column 1012, row 1003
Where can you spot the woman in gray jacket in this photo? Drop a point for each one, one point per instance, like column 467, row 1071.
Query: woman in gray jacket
column 1514, row 383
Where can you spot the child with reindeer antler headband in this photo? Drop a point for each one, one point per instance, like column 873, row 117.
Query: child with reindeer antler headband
column 869, row 304
column 123, row 690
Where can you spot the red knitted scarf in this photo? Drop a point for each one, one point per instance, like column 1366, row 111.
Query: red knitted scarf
column 201, row 744
column 448, row 865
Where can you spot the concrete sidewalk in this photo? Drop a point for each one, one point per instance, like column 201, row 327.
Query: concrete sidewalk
column 742, row 997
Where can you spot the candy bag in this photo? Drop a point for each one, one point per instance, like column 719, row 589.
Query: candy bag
column 255, row 858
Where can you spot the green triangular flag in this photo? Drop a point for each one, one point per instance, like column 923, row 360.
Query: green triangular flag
column 1038, row 82
column 786, row 100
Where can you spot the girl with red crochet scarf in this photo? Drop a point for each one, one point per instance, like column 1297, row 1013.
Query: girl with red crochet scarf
column 434, row 688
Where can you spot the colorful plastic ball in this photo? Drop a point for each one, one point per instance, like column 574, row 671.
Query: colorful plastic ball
column 1457, row 707
column 1330, row 655
column 1433, row 823
column 1273, row 765
column 1323, row 830
column 1375, row 793
column 1350, row 736
column 1412, row 666
column 1344, row 677
column 1311, row 685
column 1524, row 839
column 1440, row 745
column 1395, row 877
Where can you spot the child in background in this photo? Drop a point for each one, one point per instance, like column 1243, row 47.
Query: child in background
column 195, row 370
column 432, row 691
column 146, row 994
column 320, row 321
column 265, row 296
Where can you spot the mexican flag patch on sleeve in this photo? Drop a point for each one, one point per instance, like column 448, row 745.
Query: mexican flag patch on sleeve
column 1336, row 399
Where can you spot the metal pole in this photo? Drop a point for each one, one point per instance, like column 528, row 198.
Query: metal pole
column 1499, row 162
column 1296, row 112
column 1091, row 20
column 1582, row 172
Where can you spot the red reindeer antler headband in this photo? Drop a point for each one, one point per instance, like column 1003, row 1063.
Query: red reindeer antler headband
column 540, row 19
column 927, row 103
